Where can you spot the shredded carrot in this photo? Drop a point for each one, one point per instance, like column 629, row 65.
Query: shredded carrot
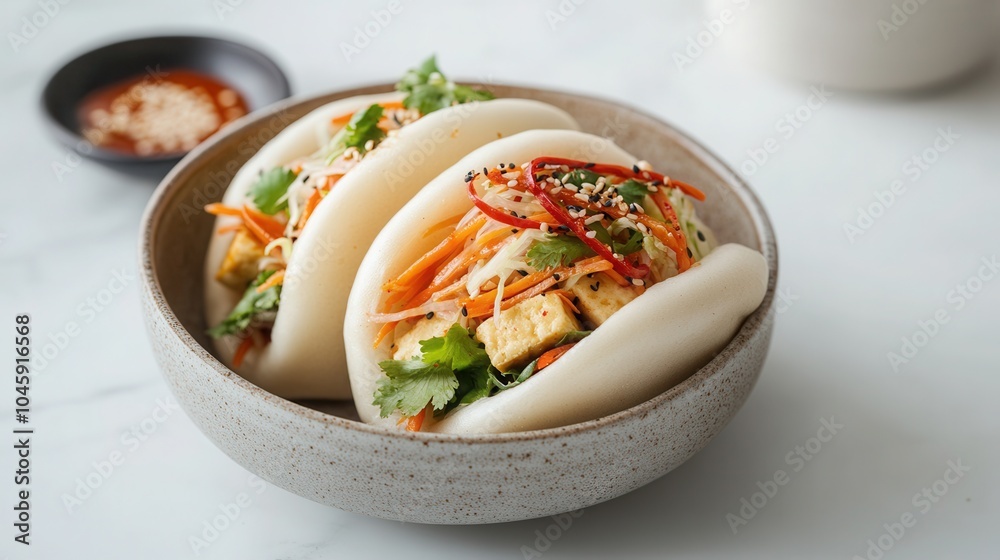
column 546, row 359
column 413, row 423
column 229, row 228
column 241, row 351
column 445, row 223
column 346, row 118
column 384, row 332
column 219, row 209
column 618, row 278
column 311, row 203
column 273, row 280
column 567, row 300
column 264, row 227
column 456, row 239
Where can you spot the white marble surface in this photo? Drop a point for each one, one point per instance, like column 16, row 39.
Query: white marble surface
column 846, row 305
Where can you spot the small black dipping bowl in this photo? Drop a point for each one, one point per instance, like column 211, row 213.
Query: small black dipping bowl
column 247, row 70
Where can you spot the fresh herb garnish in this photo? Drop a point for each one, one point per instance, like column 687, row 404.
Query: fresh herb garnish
column 580, row 176
column 572, row 337
column 632, row 191
column 452, row 369
column 270, row 187
column 428, row 90
column 631, row 245
column 559, row 250
column 362, row 128
column 250, row 306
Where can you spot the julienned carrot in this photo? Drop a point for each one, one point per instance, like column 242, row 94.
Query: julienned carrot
column 456, row 239
column 241, row 351
column 454, row 268
column 618, row 278
column 445, row 223
column 273, row 280
column 346, row 118
column 384, row 332
column 265, row 228
column 546, row 359
column 483, row 304
column 413, row 423
column 311, row 203
column 219, row 209
column 567, row 300
column 229, row 228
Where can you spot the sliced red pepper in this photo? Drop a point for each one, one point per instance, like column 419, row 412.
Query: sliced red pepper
column 498, row 214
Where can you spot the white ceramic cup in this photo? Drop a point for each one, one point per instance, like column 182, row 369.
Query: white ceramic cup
column 859, row 44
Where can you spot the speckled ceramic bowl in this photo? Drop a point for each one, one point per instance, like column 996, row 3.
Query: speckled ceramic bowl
column 320, row 451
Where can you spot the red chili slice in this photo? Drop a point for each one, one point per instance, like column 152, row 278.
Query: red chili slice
column 498, row 214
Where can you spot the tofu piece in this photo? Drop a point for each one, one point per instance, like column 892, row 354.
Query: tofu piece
column 407, row 345
column 525, row 331
column 240, row 265
column 598, row 298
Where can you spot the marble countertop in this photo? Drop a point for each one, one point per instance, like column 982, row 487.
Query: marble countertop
column 898, row 453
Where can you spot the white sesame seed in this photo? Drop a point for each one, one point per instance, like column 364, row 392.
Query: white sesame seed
column 591, row 234
column 642, row 227
column 524, row 165
column 572, row 187
column 637, row 282
column 556, row 190
column 651, row 188
column 643, row 165
column 564, row 169
column 594, row 218
column 589, row 186
column 631, row 216
column 581, row 196
column 512, row 183
column 369, row 145
column 623, row 207
column 557, row 181
column 544, row 227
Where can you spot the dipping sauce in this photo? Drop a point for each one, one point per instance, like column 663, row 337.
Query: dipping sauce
column 165, row 113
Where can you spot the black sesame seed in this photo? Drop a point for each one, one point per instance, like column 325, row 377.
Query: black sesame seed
column 306, row 178
column 485, row 172
column 629, row 278
column 522, row 272
column 635, row 168
column 657, row 183
column 556, row 276
column 430, row 315
column 701, row 236
column 513, row 230
column 589, row 164
column 690, row 254
column 563, row 228
column 595, row 197
column 513, row 213
column 607, row 203
column 591, row 275
column 510, row 165
column 465, row 311
column 595, row 287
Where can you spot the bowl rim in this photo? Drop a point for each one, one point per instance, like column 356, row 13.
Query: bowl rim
column 73, row 138
column 170, row 187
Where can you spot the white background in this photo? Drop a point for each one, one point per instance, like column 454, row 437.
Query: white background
column 846, row 305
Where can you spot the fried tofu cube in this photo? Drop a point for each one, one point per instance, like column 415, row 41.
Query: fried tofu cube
column 525, row 331
column 599, row 297
column 239, row 266
column 408, row 344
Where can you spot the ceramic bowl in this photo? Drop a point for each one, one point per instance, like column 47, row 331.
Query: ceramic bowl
column 320, row 451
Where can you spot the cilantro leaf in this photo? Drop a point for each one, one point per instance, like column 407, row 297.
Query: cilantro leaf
column 410, row 384
column 632, row 191
column 559, row 250
column 453, row 369
column 632, row 245
column 428, row 90
column 579, row 176
column 269, row 188
column 363, row 127
column 571, row 337
column 249, row 307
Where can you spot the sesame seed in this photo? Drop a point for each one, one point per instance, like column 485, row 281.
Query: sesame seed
column 512, row 183
column 564, row 168
column 522, row 272
column 701, row 236
column 556, row 190
column 596, row 286
column 589, row 164
column 591, row 234
column 594, row 218
column 485, row 172
column 524, row 165
column 622, row 207
column 544, row 227
column 631, row 216
column 643, row 228
column 510, row 165
column 515, row 230
column 637, row 282
column 644, row 165
column 557, row 277
column 689, row 253
column 465, row 311
column 369, row 145
column 635, row 168
column 588, row 186
column 581, row 196
column 430, row 315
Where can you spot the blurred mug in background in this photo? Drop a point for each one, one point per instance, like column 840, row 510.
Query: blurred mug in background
column 860, row 44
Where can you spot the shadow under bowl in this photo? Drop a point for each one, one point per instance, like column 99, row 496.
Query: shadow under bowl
column 255, row 76
column 320, row 451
